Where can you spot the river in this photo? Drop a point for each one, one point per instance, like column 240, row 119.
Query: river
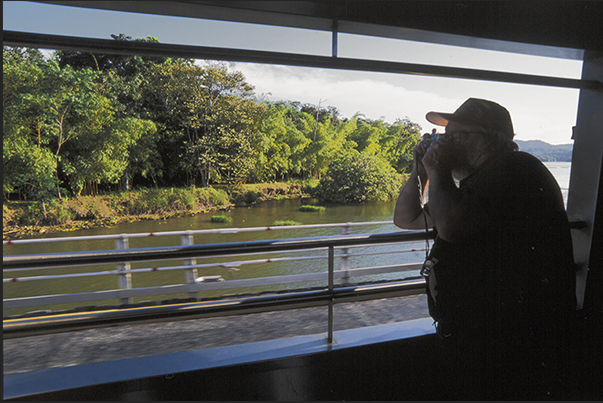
column 260, row 215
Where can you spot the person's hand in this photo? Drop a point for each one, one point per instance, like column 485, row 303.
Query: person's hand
column 438, row 157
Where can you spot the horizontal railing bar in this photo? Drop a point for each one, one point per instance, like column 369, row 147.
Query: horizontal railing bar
column 153, row 49
column 276, row 259
column 242, row 262
column 226, row 265
column 202, row 250
column 14, row 328
column 73, row 275
column 94, row 296
column 201, row 265
column 200, row 286
column 191, row 232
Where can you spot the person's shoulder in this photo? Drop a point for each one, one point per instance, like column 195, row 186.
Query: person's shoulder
column 521, row 160
column 529, row 167
column 522, row 157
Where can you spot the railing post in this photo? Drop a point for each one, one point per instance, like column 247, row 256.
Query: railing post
column 190, row 275
column 124, row 278
column 345, row 259
column 331, row 300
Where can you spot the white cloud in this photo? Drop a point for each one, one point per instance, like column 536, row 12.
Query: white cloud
column 348, row 92
column 538, row 112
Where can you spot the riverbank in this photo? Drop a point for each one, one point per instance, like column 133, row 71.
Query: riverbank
column 21, row 219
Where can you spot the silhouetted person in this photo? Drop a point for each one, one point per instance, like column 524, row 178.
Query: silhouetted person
column 500, row 274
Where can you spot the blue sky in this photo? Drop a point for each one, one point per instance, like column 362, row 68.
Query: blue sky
column 542, row 113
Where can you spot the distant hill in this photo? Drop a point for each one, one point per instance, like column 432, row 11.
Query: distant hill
column 547, row 152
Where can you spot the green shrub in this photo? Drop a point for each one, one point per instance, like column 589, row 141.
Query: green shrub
column 280, row 223
column 307, row 207
column 252, row 196
column 186, row 198
column 33, row 214
column 221, row 218
column 158, row 201
column 138, row 205
column 218, row 197
column 58, row 214
column 358, row 178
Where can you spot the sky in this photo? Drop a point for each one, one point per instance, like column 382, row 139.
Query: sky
column 538, row 112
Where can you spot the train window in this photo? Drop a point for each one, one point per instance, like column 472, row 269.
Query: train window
column 76, row 21
column 411, row 51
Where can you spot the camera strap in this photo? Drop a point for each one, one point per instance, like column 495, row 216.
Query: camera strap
column 426, row 269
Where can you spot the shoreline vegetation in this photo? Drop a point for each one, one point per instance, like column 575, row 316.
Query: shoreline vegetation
column 94, row 127
column 30, row 218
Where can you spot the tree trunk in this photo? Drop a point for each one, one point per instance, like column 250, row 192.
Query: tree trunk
column 124, row 183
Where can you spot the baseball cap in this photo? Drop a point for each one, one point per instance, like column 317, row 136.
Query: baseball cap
column 477, row 112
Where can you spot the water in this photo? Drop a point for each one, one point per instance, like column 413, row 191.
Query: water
column 261, row 215
column 561, row 172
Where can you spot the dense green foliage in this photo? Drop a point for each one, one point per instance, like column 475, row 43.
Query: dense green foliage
column 311, row 208
column 220, row 218
column 80, row 123
column 281, row 223
column 113, row 207
column 357, row 178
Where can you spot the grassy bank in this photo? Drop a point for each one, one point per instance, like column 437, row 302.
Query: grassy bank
column 21, row 218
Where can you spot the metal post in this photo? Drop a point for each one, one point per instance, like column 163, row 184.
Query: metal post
column 124, row 278
column 345, row 259
column 335, row 39
column 331, row 301
column 587, row 163
column 190, row 275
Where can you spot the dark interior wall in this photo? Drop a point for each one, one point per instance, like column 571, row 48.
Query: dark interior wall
column 573, row 24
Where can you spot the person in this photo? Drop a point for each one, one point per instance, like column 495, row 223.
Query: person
column 500, row 273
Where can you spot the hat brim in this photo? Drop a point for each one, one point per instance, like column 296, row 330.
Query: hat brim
column 442, row 119
column 439, row 118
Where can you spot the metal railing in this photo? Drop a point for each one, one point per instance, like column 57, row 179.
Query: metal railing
column 345, row 230
column 189, row 252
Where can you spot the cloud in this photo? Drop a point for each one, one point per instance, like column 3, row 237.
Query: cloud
column 349, row 92
column 538, row 112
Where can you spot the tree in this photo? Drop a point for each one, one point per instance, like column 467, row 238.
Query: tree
column 131, row 66
column 102, row 156
column 229, row 125
column 331, row 143
column 74, row 115
column 368, row 135
column 358, row 178
column 127, row 78
column 398, row 143
column 107, row 119
column 208, row 121
column 29, row 168
column 66, row 113
column 280, row 143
